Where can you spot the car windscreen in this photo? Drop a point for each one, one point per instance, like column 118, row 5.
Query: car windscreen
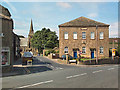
column 27, row 54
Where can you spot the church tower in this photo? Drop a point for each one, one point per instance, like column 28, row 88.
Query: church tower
column 30, row 35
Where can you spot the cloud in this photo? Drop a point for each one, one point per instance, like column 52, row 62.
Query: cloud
column 64, row 4
column 113, row 29
column 92, row 15
column 20, row 32
column 10, row 5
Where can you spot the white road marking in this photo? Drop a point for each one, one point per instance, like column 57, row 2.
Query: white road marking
column 36, row 84
column 83, row 74
column 69, row 77
column 61, row 68
column 97, row 71
column 76, row 75
column 51, row 66
column 111, row 68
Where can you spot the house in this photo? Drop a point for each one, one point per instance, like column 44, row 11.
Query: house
column 6, row 39
column 114, row 43
column 85, row 36
column 16, row 46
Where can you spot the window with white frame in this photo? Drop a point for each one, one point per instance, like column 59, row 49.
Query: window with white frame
column 74, row 35
column 101, row 50
column 66, row 49
column 83, row 35
column 101, row 35
column 83, row 50
column 92, row 35
column 66, row 35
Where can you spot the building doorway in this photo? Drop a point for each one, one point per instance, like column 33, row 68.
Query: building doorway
column 92, row 53
column 75, row 54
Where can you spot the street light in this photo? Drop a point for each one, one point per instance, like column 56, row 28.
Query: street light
column 96, row 46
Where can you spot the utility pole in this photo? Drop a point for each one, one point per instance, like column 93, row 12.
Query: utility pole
column 96, row 46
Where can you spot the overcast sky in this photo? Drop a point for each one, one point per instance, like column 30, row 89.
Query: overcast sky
column 52, row 14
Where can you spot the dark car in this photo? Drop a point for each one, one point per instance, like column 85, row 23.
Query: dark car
column 64, row 57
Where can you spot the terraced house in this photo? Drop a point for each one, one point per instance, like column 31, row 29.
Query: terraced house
column 85, row 35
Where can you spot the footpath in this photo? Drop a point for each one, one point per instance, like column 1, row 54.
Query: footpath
column 15, row 70
column 19, row 69
column 74, row 64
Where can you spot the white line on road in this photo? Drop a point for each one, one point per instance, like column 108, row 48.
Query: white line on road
column 36, row 84
column 61, row 68
column 83, row 74
column 111, row 68
column 69, row 77
column 76, row 75
column 97, row 71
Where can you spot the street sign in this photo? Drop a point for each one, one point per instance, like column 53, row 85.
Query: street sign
column 113, row 52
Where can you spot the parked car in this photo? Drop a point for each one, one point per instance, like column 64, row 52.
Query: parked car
column 27, row 56
column 64, row 57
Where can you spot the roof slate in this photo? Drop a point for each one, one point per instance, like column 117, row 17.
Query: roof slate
column 82, row 21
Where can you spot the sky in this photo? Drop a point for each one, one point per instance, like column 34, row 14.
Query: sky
column 52, row 14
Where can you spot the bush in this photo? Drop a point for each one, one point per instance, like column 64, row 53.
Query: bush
column 47, row 53
column 57, row 52
column 52, row 51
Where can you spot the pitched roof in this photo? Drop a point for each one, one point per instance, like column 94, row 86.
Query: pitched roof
column 82, row 21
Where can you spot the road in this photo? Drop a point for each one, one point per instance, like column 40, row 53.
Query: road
column 65, row 76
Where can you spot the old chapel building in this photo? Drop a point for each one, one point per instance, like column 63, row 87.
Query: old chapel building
column 79, row 35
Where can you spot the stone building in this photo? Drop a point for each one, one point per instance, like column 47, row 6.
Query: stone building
column 25, row 43
column 16, row 46
column 115, row 45
column 79, row 36
column 6, row 39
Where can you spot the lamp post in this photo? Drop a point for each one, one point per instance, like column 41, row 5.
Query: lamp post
column 96, row 46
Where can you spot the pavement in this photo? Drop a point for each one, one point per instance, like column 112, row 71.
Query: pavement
column 63, row 76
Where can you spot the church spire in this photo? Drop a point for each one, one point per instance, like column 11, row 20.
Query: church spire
column 31, row 28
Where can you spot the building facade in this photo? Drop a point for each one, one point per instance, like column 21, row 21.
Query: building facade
column 84, row 36
column 6, row 39
column 16, row 46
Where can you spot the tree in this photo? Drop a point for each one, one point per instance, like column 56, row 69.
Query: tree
column 44, row 38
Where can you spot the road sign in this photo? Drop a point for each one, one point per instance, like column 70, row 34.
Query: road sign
column 113, row 52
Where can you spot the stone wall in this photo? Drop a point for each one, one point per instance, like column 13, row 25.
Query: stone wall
column 7, row 39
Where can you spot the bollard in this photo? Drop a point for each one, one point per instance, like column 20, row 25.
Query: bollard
column 67, row 58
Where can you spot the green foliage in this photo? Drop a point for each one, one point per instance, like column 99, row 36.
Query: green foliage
column 47, row 53
column 44, row 38
column 57, row 52
column 52, row 51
